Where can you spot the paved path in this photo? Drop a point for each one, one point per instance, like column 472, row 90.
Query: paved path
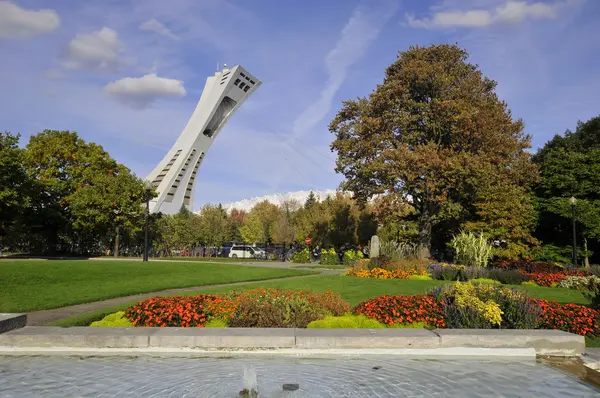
column 39, row 318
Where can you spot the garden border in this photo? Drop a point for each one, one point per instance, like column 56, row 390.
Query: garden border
column 42, row 340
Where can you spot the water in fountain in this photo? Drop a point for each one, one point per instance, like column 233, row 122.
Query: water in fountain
column 250, row 383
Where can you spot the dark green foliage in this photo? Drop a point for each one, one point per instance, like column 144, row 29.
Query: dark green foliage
column 508, row 277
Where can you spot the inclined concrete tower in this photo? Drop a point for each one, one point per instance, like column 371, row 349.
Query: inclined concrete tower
column 175, row 176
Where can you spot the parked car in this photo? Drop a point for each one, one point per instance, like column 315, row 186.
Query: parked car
column 246, row 252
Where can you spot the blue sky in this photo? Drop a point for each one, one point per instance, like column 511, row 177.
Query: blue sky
column 64, row 61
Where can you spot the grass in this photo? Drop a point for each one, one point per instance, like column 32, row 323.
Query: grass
column 30, row 285
column 198, row 259
column 322, row 266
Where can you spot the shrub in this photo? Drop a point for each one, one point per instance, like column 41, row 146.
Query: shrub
column 116, row 320
column 555, row 254
column 301, row 257
column 484, row 280
column 470, row 273
column 346, row 321
column 191, row 311
column 528, row 266
column 284, row 308
column 420, row 267
column 421, row 278
column 508, row 277
column 486, row 306
column 329, row 257
column 571, row 318
column 574, row 282
column 471, row 249
column 529, row 283
column 446, row 272
column 216, row 323
column 390, row 310
column 350, row 256
column 379, row 262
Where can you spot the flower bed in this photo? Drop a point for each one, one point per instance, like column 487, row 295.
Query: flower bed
column 550, row 279
column 380, row 273
column 460, row 305
column 390, row 310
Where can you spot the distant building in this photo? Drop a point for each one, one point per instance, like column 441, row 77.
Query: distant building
column 175, row 176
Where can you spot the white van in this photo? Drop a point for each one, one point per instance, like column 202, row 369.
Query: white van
column 245, row 252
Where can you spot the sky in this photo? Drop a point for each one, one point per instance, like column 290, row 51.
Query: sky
column 127, row 74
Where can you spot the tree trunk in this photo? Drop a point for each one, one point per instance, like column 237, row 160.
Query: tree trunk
column 425, row 233
column 585, row 249
column 117, row 242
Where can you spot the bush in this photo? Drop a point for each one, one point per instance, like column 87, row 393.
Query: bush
column 301, row 257
column 329, row 257
column 284, row 308
column 572, row 318
column 508, row 277
column 346, row 321
column 528, row 266
column 470, row 273
column 216, row 323
column 191, row 311
column 350, row 256
column 447, row 272
column 484, row 280
column 554, row 254
column 574, row 282
column 116, row 320
column 391, row 310
column 379, row 262
column 421, row 278
column 486, row 306
column 471, row 250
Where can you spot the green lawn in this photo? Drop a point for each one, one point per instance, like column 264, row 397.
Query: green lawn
column 322, row 266
column 352, row 289
column 201, row 259
column 28, row 285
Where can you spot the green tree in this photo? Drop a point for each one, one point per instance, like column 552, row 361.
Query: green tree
column 14, row 186
column 284, row 230
column 344, row 222
column 433, row 133
column 213, row 225
column 310, row 200
column 570, row 167
column 260, row 223
column 235, row 220
column 80, row 194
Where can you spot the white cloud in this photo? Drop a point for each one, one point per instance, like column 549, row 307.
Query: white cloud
column 16, row 22
column 99, row 50
column 152, row 25
column 361, row 30
column 141, row 92
column 510, row 12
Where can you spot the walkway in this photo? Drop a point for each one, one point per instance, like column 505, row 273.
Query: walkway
column 39, row 318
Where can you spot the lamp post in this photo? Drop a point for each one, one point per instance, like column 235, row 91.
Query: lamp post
column 146, row 224
column 573, row 202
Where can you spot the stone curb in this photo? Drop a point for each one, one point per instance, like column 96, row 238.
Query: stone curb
column 10, row 322
column 464, row 353
column 544, row 342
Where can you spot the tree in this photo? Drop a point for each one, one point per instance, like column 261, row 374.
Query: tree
column 433, row 133
column 284, row 231
column 213, row 225
column 235, row 220
column 570, row 166
column 14, row 185
column 310, row 200
column 80, row 194
column 344, row 222
column 260, row 222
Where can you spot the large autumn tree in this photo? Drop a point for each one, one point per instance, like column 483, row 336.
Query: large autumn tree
column 435, row 134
